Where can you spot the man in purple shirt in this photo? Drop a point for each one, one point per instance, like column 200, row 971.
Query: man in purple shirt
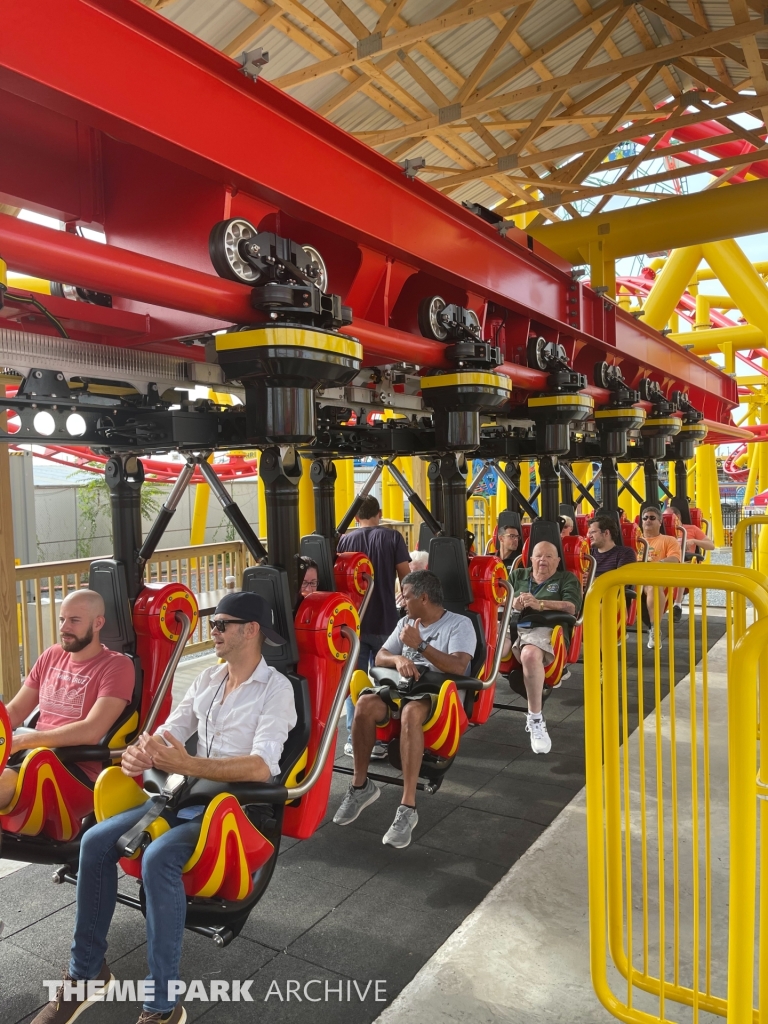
column 603, row 534
column 389, row 556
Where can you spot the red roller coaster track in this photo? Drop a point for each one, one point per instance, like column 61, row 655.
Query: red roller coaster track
column 192, row 141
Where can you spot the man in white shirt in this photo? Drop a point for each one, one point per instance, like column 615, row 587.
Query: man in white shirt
column 242, row 711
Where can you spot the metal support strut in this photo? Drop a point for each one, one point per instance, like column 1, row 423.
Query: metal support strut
column 124, row 475
column 414, row 499
column 454, row 475
column 166, row 513
column 281, row 475
column 322, row 473
column 233, row 512
column 550, row 489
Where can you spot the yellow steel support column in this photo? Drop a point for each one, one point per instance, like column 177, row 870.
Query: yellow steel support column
column 741, row 280
column 392, row 496
column 753, row 460
column 342, row 498
column 199, row 514
column 501, row 497
column 674, row 322
column 714, row 499
column 306, row 500
column 525, row 479
column 10, row 677
column 602, row 268
column 762, row 471
column 703, row 492
column 702, row 313
column 670, row 285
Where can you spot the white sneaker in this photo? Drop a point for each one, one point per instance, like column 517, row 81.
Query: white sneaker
column 652, row 642
column 348, row 749
column 540, row 741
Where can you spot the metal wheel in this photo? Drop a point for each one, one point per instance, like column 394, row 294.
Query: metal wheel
column 322, row 278
column 474, row 321
column 429, row 318
column 224, row 250
column 537, row 352
column 603, row 375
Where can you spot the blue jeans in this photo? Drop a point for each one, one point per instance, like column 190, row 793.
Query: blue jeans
column 370, row 645
column 165, row 900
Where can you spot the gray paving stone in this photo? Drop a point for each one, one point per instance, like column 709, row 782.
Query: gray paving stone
column 294, row 1007
column 484, row 836
column 29, row 895
column 291, row 906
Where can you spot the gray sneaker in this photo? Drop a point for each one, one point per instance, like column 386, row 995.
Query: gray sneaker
column 401, row 829
column 356, row 801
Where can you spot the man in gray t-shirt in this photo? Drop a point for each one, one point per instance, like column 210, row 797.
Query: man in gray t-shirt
column 429, row 645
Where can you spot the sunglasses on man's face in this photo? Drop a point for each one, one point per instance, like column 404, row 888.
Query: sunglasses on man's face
column 220, row 625
column 650, row 519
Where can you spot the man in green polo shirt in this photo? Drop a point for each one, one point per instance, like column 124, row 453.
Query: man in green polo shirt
column 542, row 587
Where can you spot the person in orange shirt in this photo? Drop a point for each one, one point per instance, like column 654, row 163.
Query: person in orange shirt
column 661, row 548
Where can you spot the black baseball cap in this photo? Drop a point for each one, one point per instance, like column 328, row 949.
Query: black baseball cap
column 251, row 608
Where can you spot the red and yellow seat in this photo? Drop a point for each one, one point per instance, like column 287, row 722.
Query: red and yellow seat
column 442, row 730
column 228, row 852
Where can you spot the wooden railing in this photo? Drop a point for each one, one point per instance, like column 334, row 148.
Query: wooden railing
column 41, row 587
column 44, row 585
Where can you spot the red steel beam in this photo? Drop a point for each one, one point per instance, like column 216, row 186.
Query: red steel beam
column 53, row 255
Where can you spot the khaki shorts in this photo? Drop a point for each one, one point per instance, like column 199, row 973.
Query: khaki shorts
column 539, row 636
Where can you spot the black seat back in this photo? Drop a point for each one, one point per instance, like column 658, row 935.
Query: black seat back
column 568, row 510
column 271, row 583
column 318, row 547
column 448, row 561
column 684, row 508
column 509, row 518
column 543, row 529
column 425, row 537
column 107, row 577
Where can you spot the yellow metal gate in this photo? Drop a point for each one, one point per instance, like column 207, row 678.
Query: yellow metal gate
column 672, row 931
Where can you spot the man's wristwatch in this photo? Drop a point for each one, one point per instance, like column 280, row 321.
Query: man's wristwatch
column 422, row 646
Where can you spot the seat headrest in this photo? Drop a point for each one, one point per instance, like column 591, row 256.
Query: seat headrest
column 318, row 547
column 425, row 536
column 271, row 583
column 107, row 577
column 509, row 518
column 568, row 510
column 448, row 561
column 684, row 508
column 543, row 529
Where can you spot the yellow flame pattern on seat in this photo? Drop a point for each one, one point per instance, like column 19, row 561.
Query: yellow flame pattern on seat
column 48, row 800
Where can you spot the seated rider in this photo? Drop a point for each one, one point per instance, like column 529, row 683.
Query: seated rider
column 694, row 535
column 429, row 645
column 603, row 535
column 508, row 544
column 242, row 711
column 661, row 548
column 566, row 527
column 80, row 686
column 542, row 587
